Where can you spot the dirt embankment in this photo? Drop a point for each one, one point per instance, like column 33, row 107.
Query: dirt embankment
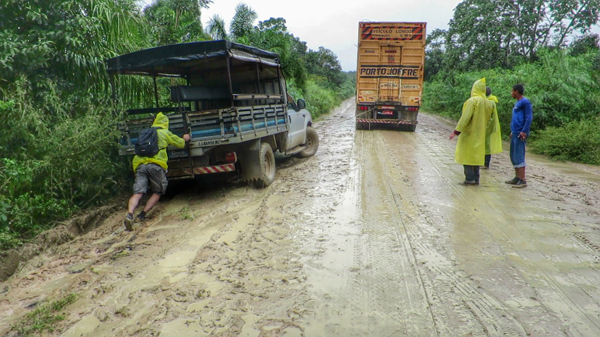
column 372, row 236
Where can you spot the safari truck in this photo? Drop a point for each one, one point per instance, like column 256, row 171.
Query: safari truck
column 389, row 74
column 232, row 101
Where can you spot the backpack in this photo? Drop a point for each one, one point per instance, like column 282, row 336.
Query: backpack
column 147, row 143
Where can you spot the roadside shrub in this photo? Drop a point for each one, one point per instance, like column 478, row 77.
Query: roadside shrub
column 575, row 141
column 319, row 99
column 55, row 158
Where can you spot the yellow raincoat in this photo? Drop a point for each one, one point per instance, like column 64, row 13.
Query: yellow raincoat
column 165, row 138
column 476, row 113
column 493, row 140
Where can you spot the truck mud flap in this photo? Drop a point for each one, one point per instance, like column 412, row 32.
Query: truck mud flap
column 249, row 160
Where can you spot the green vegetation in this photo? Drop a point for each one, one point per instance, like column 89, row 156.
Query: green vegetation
column 44, row 318
column 58, row 140
column 492, row 40
column 575, row 141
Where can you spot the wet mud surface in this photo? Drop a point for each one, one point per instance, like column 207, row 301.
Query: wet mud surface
column 373, row 236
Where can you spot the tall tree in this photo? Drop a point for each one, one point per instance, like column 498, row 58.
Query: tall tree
column 273, row 35
column 500, row 33
column 243, row 21
column 216, row 28
column 176, row 21
column 434, row 55
column 65, row 42
column 324, row 62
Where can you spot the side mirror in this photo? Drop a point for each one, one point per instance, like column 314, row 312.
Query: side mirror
column 301, row 104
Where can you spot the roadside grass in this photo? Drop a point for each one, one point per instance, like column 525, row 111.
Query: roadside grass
column 44, row 318
column 577, row 141
column 186, row 214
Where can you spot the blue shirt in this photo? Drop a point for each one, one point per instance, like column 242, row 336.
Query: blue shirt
column 522, row 115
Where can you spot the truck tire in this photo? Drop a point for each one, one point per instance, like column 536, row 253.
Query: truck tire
column 266, row 161
column 312, row 143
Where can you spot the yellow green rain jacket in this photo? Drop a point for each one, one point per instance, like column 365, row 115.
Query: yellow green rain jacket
column 476, row 113
column 165, row 138
column 493, row 137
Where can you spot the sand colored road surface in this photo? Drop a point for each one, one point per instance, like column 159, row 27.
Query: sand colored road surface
column 373, row 236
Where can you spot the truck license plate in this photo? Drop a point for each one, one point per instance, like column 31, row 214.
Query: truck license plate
column 178, row 154
column 387, row 112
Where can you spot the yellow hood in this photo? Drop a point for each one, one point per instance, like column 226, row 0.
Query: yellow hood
column 478, row 89
column 161, row 121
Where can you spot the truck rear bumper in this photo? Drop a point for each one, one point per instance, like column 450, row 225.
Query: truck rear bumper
column 385, row 121
column 210, row 169
column 189, row 173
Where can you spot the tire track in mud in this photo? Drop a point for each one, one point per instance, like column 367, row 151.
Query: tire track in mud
column 506, row 235
column 473, row 303
column 397, row 290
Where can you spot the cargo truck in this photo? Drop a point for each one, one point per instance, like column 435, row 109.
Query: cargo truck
column 389, row 74
column 230, row 98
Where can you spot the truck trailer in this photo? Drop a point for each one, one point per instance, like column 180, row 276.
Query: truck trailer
column 389, row 74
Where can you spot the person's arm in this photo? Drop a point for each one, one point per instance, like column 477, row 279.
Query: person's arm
column 528, row 109
column 173, row 139
column 465, row 118
column 454, row 134
column 525, row 107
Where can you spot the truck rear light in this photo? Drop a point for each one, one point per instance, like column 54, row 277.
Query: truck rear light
column 363, row 107
column 413, row 109
column 231, row 157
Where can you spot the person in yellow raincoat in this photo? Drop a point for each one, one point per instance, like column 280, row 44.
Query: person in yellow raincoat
column 152, row 171
column 472, row 129
column 493, row 137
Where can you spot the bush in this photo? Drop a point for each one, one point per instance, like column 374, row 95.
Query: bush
column 577, row 141
column 55, row 158
column 319, row 97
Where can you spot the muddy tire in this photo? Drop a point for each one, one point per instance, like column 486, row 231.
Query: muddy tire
column 266, row 161
column 312, row 143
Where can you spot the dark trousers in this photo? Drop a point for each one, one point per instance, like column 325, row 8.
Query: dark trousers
column 471, row 173
column 488, row 157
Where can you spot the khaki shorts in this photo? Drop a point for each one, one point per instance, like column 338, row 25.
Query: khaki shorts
column 150, row 175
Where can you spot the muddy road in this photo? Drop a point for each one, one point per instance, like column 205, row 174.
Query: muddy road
column 373, row 236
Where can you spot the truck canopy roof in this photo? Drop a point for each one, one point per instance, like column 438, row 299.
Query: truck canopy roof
column 183, row 59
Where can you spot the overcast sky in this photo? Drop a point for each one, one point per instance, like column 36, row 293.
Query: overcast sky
column 333, row 24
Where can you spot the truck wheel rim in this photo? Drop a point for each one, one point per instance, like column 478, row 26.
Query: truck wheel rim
column 268, row 164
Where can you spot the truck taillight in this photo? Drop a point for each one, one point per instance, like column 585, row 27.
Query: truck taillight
column 413, row 109
column 363, row 107
column 231, row 157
